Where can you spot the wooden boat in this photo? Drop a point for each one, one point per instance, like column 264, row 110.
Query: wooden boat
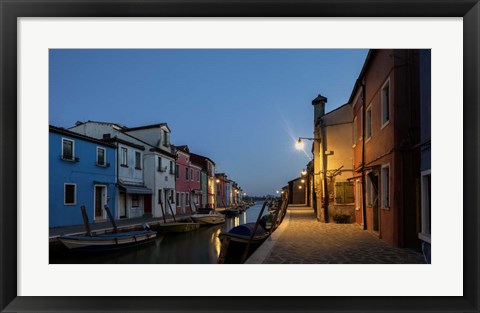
column 208, row 219
column 207, row 216
column 240, row 242
column 232, row 211
column 107, row 242
column 175, row 227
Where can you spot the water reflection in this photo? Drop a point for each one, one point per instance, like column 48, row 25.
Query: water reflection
column 196, row 247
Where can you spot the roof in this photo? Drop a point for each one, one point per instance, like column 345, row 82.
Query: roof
column 362, row 73
column 159, row 125
column 183, row 148
column 295, row 179
column 125, row 142
column 104, row 123
column 60, row 130
column 199, row 159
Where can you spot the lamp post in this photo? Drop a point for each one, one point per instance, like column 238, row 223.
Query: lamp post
column 299, row 145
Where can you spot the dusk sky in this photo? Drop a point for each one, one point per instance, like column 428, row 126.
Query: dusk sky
column 244, row 108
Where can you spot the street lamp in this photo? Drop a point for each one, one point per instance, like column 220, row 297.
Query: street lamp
column 300, row 145
column 304, row 172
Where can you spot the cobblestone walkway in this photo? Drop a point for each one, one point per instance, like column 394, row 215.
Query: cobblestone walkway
column 306, row 241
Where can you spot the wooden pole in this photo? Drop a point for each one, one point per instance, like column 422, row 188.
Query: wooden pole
column 85, row 221
column 171, row 210
column 110, row 217
column 163, row 212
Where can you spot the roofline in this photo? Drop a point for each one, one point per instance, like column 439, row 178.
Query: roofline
column 362, row 73
column 78, row 123
column 348, row 103
column 295, row 179
column 201, row 156
column 158, row 125
column 125, row 142
column 64, row 131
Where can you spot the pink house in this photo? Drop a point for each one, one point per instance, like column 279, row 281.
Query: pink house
column 187, row 182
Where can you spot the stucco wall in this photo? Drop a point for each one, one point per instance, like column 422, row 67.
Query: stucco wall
column 84, row 173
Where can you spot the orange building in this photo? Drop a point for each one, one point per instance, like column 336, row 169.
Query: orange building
column 386, row 135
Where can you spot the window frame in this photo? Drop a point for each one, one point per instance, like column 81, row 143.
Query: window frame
column 124, row 161
column 355, row 130
column 73, row 149
column 382, row 103
column 104, row 156
column 186, row 173
column 139, row 165
column 177, row 198
column 383, row 186
column 368, row 123
column 177, row 171
column 137, row 199
column 65, row 193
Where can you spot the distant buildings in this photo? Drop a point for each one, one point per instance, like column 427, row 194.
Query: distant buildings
column 135, row 171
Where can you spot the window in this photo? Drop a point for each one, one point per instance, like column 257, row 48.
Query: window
column 159, row 196
column 385, row 103
column 386, row 186
column 368, row 118
column 369, row 192
column 159, row 168
column 186, row 173
column 124, row 157
column 198, row 175
column 171, row 168
column 357, row 195
column 426, row 206
column 135, row 201
column 70, row 194
column 344, row 192
column 355, row 131
column 187, row 198
column 191, row 174
column 178, row 199
column 177, row 170
column 166, row 142
column 67, row 149
column 138, row 160
column 171, row 196
column 101, row 156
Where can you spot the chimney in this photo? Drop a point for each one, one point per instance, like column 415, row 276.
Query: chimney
column 319, row 107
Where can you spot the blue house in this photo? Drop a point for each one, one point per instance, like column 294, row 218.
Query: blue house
column 81, row 172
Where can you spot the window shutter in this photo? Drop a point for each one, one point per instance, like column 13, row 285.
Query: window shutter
column 339, row 193
column 349, row 197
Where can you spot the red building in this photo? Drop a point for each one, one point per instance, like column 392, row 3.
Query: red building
column 386, row 134
column 187, row 182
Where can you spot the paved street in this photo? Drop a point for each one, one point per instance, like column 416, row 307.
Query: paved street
column 306, row 241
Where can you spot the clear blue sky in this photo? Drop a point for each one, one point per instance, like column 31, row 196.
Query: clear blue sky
column 243, row 108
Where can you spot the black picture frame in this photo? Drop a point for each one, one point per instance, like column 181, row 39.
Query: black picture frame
column 10, row 10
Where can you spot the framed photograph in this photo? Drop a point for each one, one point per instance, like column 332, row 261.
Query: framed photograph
column 52, row 55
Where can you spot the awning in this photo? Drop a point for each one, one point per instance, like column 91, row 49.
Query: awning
column 135, row 189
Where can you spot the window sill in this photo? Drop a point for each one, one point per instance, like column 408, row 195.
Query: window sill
column 70, row 204
column 385, row 124
column 73, row 160
column 103, row 165
column 123, row 165
column 138, row 168
column 386, row 208
column 368, row 139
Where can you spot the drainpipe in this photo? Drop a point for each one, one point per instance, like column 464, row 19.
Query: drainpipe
column 364, row 110
column 325, row 179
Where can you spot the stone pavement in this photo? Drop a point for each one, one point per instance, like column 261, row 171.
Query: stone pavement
column 306, row 241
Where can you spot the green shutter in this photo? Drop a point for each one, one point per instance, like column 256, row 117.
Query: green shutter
column 349, row 198
column 339, row 193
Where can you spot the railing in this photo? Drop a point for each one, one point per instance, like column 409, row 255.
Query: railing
column 245, row 253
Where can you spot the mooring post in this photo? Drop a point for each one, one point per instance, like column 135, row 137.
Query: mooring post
column 110, row 217
column 85, row 221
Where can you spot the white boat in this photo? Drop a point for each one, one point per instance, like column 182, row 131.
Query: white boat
column 208, row 219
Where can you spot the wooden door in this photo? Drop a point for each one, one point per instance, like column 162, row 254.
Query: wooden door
column 147, row 204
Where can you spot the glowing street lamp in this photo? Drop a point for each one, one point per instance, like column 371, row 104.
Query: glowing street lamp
column 300, row 145
column 304, row 172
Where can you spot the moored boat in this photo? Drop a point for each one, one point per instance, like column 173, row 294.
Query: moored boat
column 208, row 219
column 175, row 227
column 107, row 242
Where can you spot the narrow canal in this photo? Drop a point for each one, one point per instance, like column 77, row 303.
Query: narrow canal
column 201, row 246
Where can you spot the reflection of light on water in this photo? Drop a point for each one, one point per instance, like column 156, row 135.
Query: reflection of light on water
column 245, row 218
column 216, row 242
column 236, row 221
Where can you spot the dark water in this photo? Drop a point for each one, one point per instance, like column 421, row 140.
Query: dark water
column 201, row 246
